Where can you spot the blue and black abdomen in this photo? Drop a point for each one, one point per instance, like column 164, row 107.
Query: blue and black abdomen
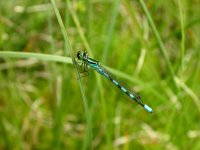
column 122, row 88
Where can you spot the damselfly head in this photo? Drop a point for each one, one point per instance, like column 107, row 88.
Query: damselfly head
column 82, row 55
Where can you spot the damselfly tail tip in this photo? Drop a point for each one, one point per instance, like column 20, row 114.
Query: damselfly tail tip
column 147, row 108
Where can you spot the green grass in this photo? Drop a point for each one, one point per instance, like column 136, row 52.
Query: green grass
column 150, row 46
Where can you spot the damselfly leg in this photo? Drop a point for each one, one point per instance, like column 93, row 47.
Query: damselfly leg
column 83, row 69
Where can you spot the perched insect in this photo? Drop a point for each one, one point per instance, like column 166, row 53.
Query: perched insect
column 94, row 64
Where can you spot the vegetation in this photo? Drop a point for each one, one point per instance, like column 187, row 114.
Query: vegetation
column 150, row 46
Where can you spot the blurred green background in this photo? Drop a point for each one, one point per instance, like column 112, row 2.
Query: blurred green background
column 153, row 47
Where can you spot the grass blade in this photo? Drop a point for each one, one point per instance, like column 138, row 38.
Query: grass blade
column 38, row 56
column 110, row 31
column 158, row 38
column 68, row 47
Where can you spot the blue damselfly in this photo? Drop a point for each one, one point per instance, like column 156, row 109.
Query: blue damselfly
column 94, row 64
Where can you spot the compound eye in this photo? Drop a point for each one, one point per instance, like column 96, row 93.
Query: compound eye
column 85, row 54
column 78, row 55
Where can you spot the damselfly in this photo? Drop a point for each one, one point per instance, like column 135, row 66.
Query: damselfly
column 94, row 64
